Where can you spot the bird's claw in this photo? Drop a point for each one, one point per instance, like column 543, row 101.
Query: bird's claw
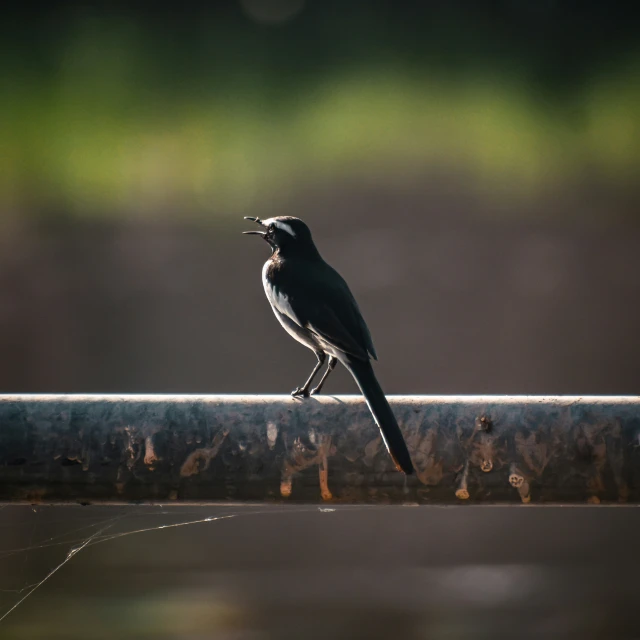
column 300, row 392
column 314, row 392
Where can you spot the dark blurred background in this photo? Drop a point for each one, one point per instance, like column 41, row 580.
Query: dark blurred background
column 471, row 168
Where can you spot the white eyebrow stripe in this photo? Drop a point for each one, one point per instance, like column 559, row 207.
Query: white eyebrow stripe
column 283, row 226
column 286, row 228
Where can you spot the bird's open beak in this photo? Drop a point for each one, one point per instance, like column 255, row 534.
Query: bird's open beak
column 255, row 233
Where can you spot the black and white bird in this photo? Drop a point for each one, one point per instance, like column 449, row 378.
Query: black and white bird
column 314, row 304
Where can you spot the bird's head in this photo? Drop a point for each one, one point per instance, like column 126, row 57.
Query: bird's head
column 285, row 234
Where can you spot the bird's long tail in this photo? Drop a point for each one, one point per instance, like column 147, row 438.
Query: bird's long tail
column 362, row 371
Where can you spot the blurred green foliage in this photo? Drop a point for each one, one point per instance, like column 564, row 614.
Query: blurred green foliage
column 110, row 107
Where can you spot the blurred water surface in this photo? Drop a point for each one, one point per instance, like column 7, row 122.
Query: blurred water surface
column 344, row 572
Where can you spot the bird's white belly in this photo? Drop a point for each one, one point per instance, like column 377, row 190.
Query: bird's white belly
column 286, row 316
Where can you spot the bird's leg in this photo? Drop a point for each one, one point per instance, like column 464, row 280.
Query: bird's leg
column 333, row 361
column 304, row 391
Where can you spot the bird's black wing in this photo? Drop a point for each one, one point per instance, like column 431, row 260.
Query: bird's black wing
column 318, row 299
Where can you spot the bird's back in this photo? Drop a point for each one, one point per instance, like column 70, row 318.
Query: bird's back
column 319, row 299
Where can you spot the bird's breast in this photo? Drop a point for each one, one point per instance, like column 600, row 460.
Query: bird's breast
column 281, row 303
column 275, row 287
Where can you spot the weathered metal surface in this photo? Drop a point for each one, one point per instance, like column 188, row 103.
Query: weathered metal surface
column 466, row 449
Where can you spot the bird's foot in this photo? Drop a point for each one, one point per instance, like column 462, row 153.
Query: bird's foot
column 300, row 392
column 315, row 391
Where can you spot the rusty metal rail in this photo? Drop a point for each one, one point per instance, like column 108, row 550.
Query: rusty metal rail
column 466, row 449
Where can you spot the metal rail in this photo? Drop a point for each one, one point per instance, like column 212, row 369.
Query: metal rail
column 466, row 449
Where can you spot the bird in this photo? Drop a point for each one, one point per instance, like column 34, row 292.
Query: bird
column 314, row 304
